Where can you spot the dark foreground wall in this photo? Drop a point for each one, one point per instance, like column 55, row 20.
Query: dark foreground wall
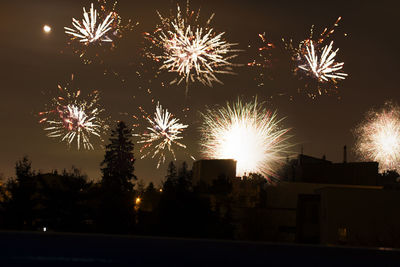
column 48, row 249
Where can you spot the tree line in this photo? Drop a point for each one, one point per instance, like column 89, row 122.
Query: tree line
column 117, row 204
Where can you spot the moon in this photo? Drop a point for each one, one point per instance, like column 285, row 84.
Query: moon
column 46, row 28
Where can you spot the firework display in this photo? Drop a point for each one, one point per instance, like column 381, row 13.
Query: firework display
column 318, row 60
column 312, row 62
column 378, row 137
column 89, row 31
column 72, row 118
column 98, row 29
column 197, row 131
column 189, row 48
column 194, row 52
column 325, row 67
column 164, row 132
column 247, row 133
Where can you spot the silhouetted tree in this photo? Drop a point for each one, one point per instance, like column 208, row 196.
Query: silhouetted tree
column 23, row 169
column 116, row 213
column 19, row 205
column 147, row 215
column 184, row 183
column 182, row 211
column 34, row 200
column 150, row 198
column 183, row 170
column 170, row 209
column 150, row 188
column 140, row 187
column 177, row 182
column 171, row 171
column 171, row 179
column 118, row 170
column 59, row 200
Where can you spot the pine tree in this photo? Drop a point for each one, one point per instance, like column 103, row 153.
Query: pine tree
column 184, row 179
column 118, row 164
column 171, row 172
column 171, row 178
column 117, row 195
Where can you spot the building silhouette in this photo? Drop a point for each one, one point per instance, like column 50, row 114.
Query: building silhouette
column 317, row 201
column 207, row 170
column 307, row 169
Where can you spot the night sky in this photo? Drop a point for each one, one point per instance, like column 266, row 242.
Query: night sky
column 34, row 63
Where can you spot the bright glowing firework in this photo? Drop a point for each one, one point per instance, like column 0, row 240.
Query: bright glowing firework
column 247, row 133
column 194, row 52
column 97, row 27
column 74, row 119
column 163, row 133
column 378, row 137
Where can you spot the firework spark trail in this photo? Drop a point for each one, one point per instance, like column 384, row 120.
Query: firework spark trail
column 88, row 31
column 163, row 133
column 72, row 118
column 98, row 27
column 194, row 52
column 312, row 62
column 247, row 133
column 318, row 60
column 325, row 68
column 378, row 137
column 266, row 57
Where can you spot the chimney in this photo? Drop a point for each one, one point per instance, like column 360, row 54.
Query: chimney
column 345, row 154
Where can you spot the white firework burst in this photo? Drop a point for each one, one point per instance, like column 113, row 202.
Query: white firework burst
column 247, row 133
column 323, row 67
column 378, row 137
column 72, row 118
column 89, row 30
column 163, row 133
column 196, row 53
